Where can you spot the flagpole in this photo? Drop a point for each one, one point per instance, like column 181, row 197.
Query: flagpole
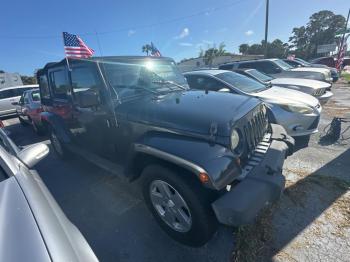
column 69, row 69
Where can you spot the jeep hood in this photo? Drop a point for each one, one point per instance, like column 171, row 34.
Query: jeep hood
column 191, row 111
column 311, row 69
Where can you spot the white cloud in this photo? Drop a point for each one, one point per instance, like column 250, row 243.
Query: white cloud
column 185, row 44
column 131, row 32
column 185, row 32
column 249, row 33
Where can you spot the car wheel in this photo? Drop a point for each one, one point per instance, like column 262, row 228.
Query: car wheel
column 57, row 145
column 39, row 130
column 179, row 206
column 23, row 123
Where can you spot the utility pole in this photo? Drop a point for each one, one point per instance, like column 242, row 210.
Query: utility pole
column 343, row 37
column 266, row 26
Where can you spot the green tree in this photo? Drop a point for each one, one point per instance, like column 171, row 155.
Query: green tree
column 243, row 48
column 146, row 48
column 213, row 52
column 2, row 71
column 321, row 29
column 28, row 80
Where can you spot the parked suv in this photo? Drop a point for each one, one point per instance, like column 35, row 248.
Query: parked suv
column 136, row 117
column 9, row 95
column 278, row 68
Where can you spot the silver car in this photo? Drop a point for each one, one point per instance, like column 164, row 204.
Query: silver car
column 297, row 112
column 33, row 227
column 318, row 89
column 10, row 95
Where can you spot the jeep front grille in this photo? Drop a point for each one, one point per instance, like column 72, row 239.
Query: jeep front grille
column 254, row 131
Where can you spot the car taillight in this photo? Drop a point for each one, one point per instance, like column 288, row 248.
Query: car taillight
column 1, row 124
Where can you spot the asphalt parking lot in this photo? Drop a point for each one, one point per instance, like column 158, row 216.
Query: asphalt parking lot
column 114, row 220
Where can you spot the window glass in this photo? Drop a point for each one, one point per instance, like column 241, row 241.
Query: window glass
column 83, row 79
column 36, row 96
column 205, row 83
column 258, row 75
column 6, row 93
column 26, row 99
column 44, row 87
column 282, row 64
column 59, row 84
column 20, row 91
column 241, row 82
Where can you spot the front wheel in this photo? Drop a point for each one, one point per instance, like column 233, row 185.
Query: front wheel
column 179, row 206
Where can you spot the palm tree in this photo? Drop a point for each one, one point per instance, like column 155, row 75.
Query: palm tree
column 146, row 48
column 213, row 52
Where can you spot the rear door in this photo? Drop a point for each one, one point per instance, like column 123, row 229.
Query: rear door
column 7, row 97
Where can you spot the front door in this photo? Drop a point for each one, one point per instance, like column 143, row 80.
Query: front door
column 92, row 127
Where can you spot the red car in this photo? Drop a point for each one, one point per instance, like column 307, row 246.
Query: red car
column 28, row 110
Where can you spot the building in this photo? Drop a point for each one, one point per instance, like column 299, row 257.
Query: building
column 198, row 63
column 10, row 79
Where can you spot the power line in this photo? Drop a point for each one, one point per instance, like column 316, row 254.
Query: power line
column 202, row 12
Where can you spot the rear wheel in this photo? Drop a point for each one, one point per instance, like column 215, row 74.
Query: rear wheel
column 180, row 206
column 57, row 145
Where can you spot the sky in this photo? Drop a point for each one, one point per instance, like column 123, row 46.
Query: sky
column 31, row 31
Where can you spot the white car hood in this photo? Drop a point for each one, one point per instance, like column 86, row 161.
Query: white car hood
column 277, row 95
column 314, row 84
column 311, row 69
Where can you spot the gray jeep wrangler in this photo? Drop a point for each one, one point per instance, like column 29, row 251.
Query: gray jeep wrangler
column 203, row 157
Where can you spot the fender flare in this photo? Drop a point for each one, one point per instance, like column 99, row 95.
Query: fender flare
column 198, row 157
column 57, row 124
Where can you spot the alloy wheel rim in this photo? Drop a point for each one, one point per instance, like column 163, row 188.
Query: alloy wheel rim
column 170, row 206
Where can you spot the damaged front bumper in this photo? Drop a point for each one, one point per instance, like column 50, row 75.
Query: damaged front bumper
column 261, row 183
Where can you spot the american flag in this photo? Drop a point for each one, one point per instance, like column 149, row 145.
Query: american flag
column 154, row 50
column 74, row 47
column 342, row 50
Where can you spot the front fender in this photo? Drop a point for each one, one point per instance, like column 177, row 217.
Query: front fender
column 196, row 155
column 57, row 124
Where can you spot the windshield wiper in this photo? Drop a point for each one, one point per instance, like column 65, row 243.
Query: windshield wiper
column 168, row 82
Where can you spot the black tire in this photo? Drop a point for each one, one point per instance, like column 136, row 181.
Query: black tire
column 23, row 123
column 58, row 145
column 39, row 130
column 204, row 223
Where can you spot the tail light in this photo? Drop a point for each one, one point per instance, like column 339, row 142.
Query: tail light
column 1, row 124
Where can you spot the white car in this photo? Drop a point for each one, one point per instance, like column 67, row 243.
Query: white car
column 10, row 95
column 318, row 89
column 297, row 112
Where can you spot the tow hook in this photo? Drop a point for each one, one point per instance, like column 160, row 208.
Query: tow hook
column 289, row 141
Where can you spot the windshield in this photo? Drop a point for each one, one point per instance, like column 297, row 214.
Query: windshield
column 241, row 82
column 303, row 62
column 127, row 79
column 283, row 64
column 36, row 96
column 259, row 75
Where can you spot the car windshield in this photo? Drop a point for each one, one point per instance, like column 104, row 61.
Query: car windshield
column 241, row 82
column 303, row 62
column 36, row 96
column 143, row 75
column 259, row 75
column 282, row 64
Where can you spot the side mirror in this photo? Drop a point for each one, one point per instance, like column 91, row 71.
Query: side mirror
column 32, row 154
column 15, row 103
column 225, row 89
column 89, row 98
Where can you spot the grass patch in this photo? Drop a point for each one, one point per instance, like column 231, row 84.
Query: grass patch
column 346, row 76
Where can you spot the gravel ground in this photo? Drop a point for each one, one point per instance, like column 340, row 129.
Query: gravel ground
column 311, row 222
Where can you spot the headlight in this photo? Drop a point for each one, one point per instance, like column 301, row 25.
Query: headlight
column 295, row 108
column 234, row 139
